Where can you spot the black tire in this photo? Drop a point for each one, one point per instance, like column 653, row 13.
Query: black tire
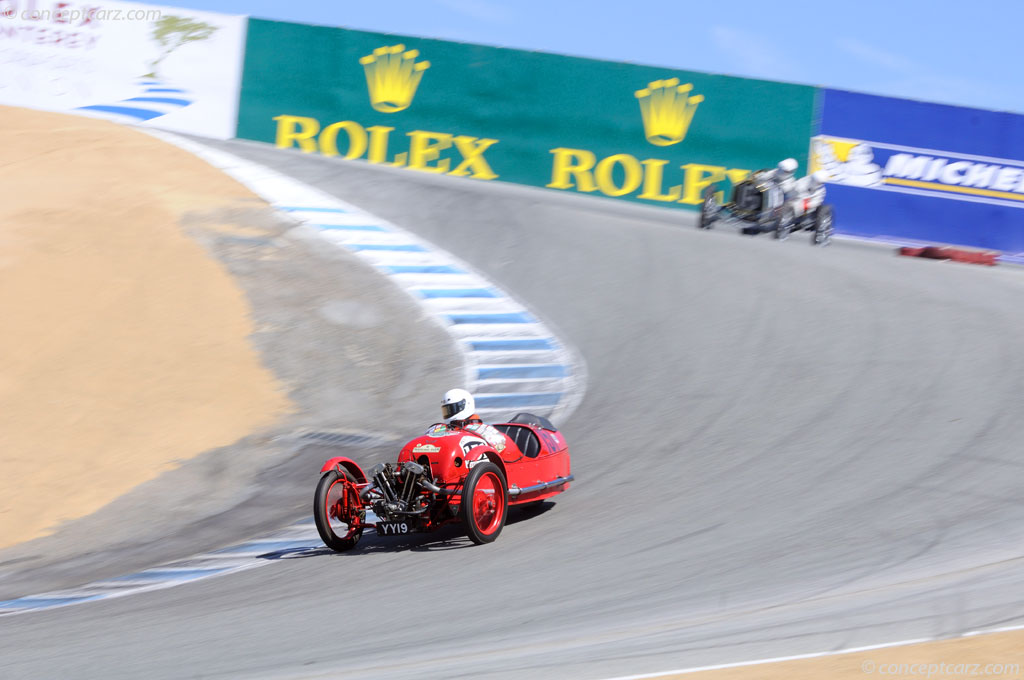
column 489, row 514
column 823, row 228
column 785, row 224
column 334, row 541
column 708, row 211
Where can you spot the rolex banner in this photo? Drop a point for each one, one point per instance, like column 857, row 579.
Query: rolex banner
column 638, row 132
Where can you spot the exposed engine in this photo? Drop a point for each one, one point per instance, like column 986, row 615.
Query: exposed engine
column 402, row 488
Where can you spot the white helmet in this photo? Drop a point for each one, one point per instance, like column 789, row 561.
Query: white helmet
column 457, row 405
column 787, row 167
column 819, row 177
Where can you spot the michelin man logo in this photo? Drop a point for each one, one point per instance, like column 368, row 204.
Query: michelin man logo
column 847, row 161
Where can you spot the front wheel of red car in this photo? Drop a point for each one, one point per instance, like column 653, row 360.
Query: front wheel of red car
column 484, row 502
column 338, row 512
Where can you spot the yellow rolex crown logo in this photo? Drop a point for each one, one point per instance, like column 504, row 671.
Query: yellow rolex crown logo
column 392, row 76
column 667, row 108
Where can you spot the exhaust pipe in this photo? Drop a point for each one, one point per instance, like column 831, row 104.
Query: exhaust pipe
column 514, row 491
column 430, row 486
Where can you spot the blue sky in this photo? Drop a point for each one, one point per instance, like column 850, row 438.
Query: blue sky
column 948, row 51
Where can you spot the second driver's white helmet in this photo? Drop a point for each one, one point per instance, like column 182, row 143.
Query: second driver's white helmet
column 819, row 178
column 786, row 168
column 457, row 404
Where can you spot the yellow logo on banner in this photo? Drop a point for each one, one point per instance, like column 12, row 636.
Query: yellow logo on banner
column 827, row 152
column 847, row 161
column 392, row 76
column 667, row 108
column 425, row 150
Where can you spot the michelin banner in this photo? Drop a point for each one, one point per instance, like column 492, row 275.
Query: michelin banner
column 928, row 172
column 165, row 67
column 620, row 130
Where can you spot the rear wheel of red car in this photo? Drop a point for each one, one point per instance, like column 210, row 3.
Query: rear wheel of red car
column 337, row 510
column 484, row 502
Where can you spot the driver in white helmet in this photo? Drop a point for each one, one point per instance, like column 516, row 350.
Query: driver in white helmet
column 458, row 409
column 784, row 176
column 809, row 192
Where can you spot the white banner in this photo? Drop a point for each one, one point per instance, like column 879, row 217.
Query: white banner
column 163, row 67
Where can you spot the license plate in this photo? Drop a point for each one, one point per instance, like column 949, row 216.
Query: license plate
column 393, row 528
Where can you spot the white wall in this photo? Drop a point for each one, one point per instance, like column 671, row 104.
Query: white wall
column 64, row 62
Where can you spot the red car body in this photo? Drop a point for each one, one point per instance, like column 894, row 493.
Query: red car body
column 446, row 475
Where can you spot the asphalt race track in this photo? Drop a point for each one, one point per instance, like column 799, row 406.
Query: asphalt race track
column 782, row 450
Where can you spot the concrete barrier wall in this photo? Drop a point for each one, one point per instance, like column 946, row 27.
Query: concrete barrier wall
column 902, row 170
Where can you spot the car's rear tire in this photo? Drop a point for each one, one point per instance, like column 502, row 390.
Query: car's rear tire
column 708, row 211
column 484, row 504
column 338, row 513
column 823, row 228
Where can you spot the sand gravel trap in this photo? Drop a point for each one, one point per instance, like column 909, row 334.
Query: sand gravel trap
column 124, row 346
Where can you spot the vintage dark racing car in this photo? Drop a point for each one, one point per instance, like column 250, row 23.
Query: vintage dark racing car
column 759, row 205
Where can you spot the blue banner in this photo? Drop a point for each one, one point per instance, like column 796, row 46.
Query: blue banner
column 910, row 170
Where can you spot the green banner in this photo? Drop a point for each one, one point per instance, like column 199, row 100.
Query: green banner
column 638, row 132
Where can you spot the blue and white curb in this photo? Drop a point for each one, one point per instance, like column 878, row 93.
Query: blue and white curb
column 296, row 540
column 513, row 361
column 154, row 99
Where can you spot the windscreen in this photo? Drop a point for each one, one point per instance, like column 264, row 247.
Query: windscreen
column 747, row 197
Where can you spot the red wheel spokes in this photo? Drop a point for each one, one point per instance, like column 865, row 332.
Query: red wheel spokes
column 488, row 503
column 338, row 508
